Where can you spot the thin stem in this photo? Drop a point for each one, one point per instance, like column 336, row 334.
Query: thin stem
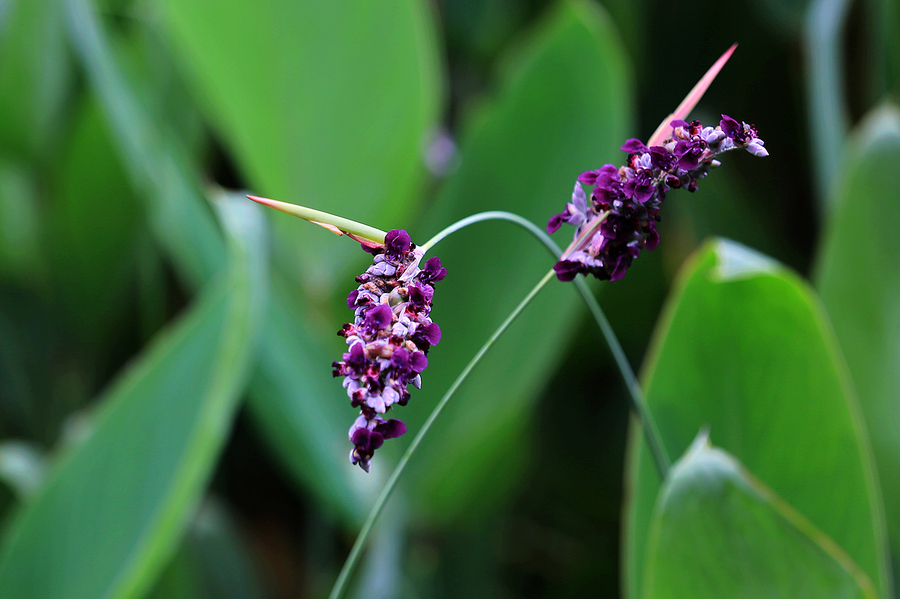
column 352, row 559
column 638, row 401
column 491, row 215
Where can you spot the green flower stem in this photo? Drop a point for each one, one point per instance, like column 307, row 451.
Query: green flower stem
column 638, row 401
column 352, row 559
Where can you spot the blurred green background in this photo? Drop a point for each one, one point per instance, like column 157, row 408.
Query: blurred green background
column 169, row 425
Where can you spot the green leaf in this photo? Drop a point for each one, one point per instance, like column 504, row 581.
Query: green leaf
column 20, row 223
column 822, row 36
column 858, row 276
column 324, row 104
column 744, row 348
column 305, row 430
column 719, row 532
column 562, row 106
column 213, row 561
column 180, row 220
column 92, row 227
column 35, row 76
column 109, row 516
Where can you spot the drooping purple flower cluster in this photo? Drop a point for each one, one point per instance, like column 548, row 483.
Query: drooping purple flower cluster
column 618, row 222
column 389, row 339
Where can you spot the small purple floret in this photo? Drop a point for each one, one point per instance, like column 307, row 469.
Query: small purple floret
column 433, row 272
column 634, row 146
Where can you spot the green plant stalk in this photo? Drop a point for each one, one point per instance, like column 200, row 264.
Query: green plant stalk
column 636, row 394
column 352, row 559
column 638, row 402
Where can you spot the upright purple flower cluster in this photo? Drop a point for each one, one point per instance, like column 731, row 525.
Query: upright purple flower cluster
column 388, row 338
column 618, row 222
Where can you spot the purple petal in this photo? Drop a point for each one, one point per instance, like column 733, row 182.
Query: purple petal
column 432, row 273
column 351, row 299
column 396, row 243
column 418, row 362
column 634, row 146
column 556, row 222
column 652, row 237
column 361, row 437
column 391, row 429
column 661, row 158
column 567, row 269
column 379, row 317
column 400, row 359
column 431, row 333
column 589, row 177
column 608, row 176
column 731, row 127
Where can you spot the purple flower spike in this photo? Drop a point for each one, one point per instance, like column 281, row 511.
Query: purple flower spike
column 619, row 222
column 389, row 339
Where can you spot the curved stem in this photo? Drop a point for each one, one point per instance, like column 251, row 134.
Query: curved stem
column 493, row 215
column 352, row 559
column 638, row 401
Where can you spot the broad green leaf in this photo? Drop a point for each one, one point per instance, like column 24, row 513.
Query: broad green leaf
column 212, row 562
column 858, row 276
column 325, row 104
column 34, row 76
column 20, row 223
column 719, row 532
column 110, row 514
column 561, row 107
column 744, row 348
column 23, row 467
column 92, row 224
column 181, row 221
column 301, row 426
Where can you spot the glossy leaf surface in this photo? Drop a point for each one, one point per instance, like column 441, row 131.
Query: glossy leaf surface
column 858, row 276
column 125, row 493
column 744, row 349
column 325, row 104
column 719, row 532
